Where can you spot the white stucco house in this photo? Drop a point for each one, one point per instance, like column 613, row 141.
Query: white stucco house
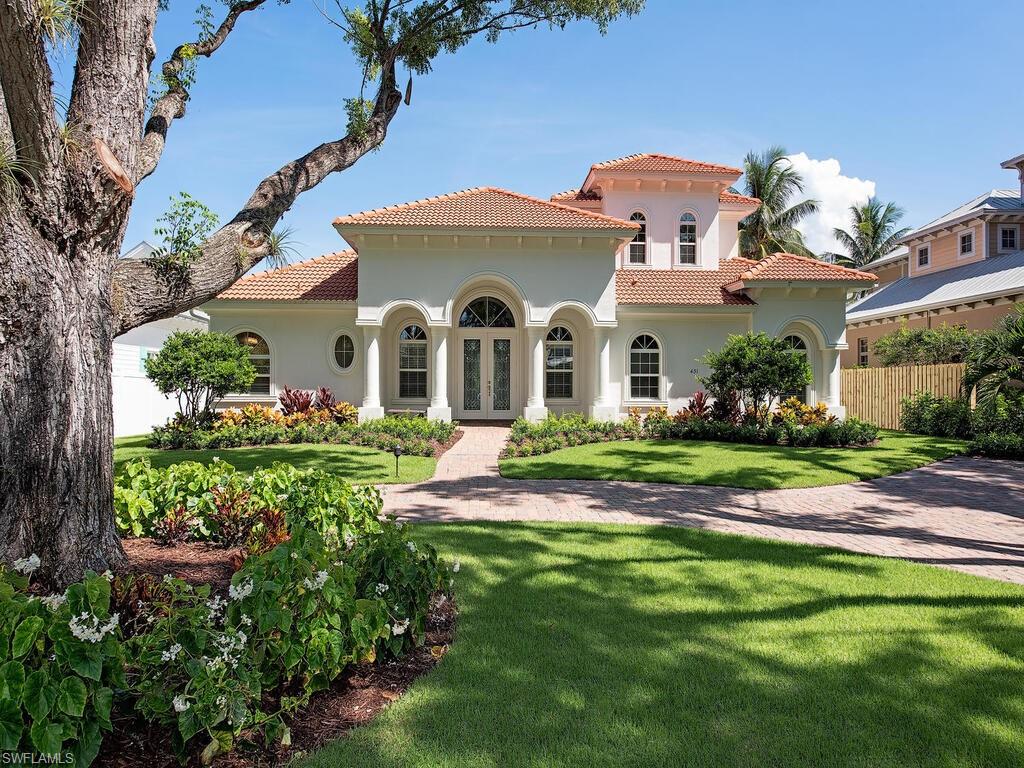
column 488, row 304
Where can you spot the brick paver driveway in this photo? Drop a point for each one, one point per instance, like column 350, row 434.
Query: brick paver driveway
column 963, row 513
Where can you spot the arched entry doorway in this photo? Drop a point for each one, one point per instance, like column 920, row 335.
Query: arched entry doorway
column 486, row 341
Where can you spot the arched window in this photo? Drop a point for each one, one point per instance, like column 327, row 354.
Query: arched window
column 558, row 364
column 487, row 312
column 638, row 245
column 344, row 351
column 687, row 239
column 798, row 347
column 412, row 362
column 259, row 354
column 644, row 368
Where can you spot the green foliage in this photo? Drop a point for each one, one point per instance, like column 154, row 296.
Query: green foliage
column 758, row 367
column 528, row 438
column 926, row 414
column 770, row 177
column 183, row 228
column 60, row 663
column 996, row 426
column 199, row 367
column 872, row 234
column 926, row 346
column 998, row 445
column 206, row 498
column 995, row 365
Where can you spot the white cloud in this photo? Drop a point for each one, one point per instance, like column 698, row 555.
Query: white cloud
column 835, row 193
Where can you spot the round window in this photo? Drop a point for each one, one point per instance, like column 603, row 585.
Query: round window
column 344, row 351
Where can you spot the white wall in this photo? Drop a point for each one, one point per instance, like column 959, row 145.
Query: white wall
column 138, row 404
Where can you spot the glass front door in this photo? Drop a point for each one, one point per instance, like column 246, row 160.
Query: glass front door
column 487, row 387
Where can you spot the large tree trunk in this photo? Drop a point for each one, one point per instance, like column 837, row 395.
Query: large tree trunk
column 56, row 434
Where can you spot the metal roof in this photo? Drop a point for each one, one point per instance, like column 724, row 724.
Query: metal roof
column 990, row 202
column 994, row 276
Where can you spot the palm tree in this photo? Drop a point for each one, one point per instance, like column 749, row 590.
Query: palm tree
column 770, row 177
column 873, row 234
column 996, row 363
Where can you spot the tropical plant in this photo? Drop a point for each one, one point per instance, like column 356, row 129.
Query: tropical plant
column 199, row 367
column 772, row 228
column 872, row 234
column 926, row 346
column 295, row 400
column 996, row 363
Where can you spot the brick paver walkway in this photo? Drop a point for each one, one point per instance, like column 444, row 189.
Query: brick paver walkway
column 963, row 513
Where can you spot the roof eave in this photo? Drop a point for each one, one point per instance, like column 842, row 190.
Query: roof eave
column 624, row 233
column 743, row 308
column 853, row 282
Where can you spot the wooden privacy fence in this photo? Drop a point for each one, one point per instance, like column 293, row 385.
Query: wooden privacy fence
column 874, row 394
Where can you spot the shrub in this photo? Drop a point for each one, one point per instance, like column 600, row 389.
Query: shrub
column 758, row 367
column 295, row 400
column 199, row 367
column 998, row 445
column 60, row 662
column 926, row 414
column 325, row 398
column 926, row 346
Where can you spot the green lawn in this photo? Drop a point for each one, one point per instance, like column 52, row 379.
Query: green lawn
column 637, row 646
column 740, row 466
column 356, row 464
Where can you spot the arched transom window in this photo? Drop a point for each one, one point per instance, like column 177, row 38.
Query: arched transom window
column 559, row 364
column 687, row 239
column 259, row 354
column 638, row 245
column 799, row 347
column 644, row 368
column 412, row 362
column 487, row 312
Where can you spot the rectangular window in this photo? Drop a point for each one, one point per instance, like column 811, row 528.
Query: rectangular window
column 412, row 369
column 637, row 252
column 558, row 371
column 1008, row 239
column 966, row 243
column 862, row 351
column 924, row 256
column 645, row 373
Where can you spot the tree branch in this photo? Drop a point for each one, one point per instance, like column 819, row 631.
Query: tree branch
column 171, row 105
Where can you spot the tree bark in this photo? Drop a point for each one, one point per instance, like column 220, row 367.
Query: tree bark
column 56, row 443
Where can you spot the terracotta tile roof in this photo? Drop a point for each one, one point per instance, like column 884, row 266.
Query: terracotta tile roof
column 788, row 266
column 697, row 287
column 575, row 194
column 331, row 277
column 658, row 163
column 485, row 208
column 734, row 197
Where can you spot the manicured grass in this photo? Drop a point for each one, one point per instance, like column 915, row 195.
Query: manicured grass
column 355, row 463
column 739, row 466
column 634, row 646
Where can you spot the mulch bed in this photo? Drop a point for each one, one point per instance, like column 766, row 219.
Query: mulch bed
column 442, row 448
column 354, row 699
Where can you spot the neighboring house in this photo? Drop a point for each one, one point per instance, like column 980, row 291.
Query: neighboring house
column 965, row 268
column 488, row 304
column 138, row 404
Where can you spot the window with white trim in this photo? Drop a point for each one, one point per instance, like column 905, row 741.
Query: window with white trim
column 559, row 362
column 412, row 362
column 1008, row 238
column 966, row 243
column 638, row 245
column 259, row 355
column 924, row 255
column 862, row 351
column 644, row 368
column 687, row 238
column 798, row 347
column 344, row 351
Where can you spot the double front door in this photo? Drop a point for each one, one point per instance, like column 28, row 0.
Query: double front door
column 486, row 385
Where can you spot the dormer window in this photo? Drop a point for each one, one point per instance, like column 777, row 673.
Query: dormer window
column 638, row 245
column 924, row 256
column 967, row 243
column 1009, row 238
column 687, row 239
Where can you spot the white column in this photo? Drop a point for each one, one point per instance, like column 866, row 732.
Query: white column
column 439, row 384
column 602, row 371
column 371, row 374
column 832, row 382
column 535, row 410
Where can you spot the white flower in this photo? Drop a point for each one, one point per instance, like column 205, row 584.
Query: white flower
column 108, row 575
column 380, row 589
column 245, row 620
column 399, row 525
column 317, row 582
column 87, row 627
column 216, row 606
column 282, row 497
column 171, row 653
column 222, row 700
column 456, row 566
column 54, row 602
column 240, row 591
column 399, row 627
column 181, row 703
column 411, row 546
column 350, row 541
column 27, row 565
column 167, row 578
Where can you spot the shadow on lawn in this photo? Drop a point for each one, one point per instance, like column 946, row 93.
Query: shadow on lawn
column 669, row 647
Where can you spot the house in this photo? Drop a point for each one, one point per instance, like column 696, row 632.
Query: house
column 138, row 404
column 489, row 304
column 965, row 268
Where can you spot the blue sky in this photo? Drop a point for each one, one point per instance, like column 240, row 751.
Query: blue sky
column 915, row 97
